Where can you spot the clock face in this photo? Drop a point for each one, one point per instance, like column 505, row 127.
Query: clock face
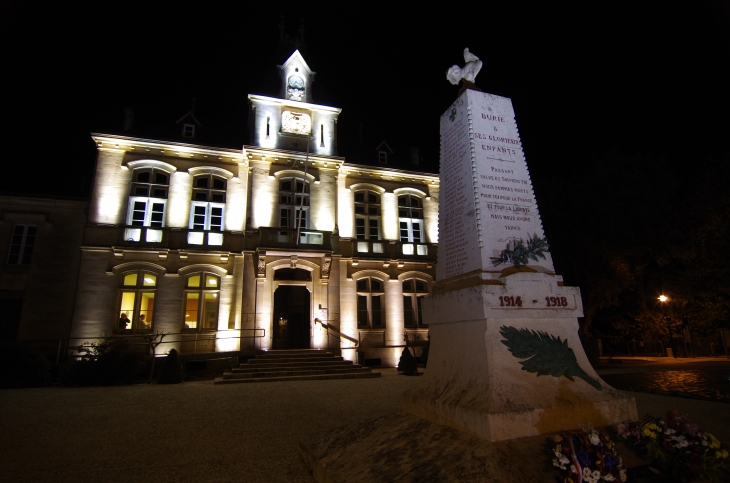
column 295, row 88
column 296, row 122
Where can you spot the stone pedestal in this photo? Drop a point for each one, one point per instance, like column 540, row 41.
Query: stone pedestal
column 505, row 359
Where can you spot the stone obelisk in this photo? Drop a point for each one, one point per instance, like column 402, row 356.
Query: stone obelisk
column 506, row 360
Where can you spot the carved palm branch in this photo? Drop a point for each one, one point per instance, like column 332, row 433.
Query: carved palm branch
column 546, row 354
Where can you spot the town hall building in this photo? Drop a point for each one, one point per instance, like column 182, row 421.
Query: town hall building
column 281, row 244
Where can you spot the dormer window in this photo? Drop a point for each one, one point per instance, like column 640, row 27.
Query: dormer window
column 188, row 131
column 383, row 157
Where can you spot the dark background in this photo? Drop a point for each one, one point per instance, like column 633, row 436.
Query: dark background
column 622, row 109
column 584, row 79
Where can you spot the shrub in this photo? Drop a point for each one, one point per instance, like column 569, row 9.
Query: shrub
column 407, row 364
column 22, row 366
column 172, row 369
column 108, row 362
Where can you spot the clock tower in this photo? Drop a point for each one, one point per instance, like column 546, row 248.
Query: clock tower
column 292, row 122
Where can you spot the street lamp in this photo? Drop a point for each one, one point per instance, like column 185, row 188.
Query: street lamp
column 664, row 299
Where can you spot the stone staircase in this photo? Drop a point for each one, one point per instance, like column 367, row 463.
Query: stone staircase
column 295, row 365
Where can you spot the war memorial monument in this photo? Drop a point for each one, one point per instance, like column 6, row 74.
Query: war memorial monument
column 506, row 361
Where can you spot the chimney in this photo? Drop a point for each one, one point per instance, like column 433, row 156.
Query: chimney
column 415, row 156
column 128, row 119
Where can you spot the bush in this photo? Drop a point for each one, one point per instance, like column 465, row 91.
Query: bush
column 407, row 364
column 172, row 369
column 111, row 361
column 22, row 366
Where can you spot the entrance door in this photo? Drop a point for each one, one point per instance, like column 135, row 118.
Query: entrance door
column 291, row 317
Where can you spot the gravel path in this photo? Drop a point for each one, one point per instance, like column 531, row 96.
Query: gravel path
column 200, row 432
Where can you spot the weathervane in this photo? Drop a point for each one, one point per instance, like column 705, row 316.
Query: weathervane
column 469, row 72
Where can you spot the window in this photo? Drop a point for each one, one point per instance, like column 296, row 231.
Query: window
column 201, row 302
column 293, row 199
column 136, row 302
column 382, row 157
column 367, row 215
column 188, row 131
column 21, row 244
column 370, row 303
column 414, row 290
column 410, row 217
column 206, row 209
column 147, row 201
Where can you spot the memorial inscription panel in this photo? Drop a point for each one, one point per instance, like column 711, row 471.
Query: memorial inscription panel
column 486, row 194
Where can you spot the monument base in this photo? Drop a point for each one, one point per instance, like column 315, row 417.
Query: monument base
column 405, row 448
column 481, row 355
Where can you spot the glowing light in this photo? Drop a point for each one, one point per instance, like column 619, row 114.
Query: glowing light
column 149, row 280
column 663, row 298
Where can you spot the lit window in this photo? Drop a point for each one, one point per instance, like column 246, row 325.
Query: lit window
column 414, row 290
column 410, row 219
column 207, row 208
column 370, row 307
column 367, row 215
column 136, row 307
column 148, row 198
column 201, row 302
column 293, row 202
column 21, row 244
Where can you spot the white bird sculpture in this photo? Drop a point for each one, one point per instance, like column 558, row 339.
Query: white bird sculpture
column 468, row 72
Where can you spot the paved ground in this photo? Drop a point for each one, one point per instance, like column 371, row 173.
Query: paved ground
column 200, row 432
column 707, row 378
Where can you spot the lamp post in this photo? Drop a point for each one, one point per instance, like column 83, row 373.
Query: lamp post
column 664, row 299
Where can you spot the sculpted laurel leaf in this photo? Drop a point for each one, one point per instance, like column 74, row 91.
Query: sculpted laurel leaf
column 546, row 354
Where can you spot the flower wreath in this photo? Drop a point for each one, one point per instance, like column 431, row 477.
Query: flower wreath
column 588, row 457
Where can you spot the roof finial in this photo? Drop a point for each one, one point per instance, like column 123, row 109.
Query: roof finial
column 301, row 32
column 281, row 28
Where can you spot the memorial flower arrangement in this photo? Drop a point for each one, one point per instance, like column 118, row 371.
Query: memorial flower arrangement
column 588, row 457
column 677, row 446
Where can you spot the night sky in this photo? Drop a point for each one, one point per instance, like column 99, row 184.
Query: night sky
column 584, row 79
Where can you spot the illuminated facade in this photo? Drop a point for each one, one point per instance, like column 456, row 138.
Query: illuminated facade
column 282, row 244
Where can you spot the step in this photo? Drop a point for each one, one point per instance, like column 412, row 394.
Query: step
column 317, row 377
column 295, row 351
column 313, row 355
column 284, row 367
column 293, row 372
column 258, row 362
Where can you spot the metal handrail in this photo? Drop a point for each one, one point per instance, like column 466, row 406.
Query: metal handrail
column 327, row 326
column 258, row 333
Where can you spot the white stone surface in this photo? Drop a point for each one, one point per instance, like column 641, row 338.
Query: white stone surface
column 486, row 198
column 474, row 383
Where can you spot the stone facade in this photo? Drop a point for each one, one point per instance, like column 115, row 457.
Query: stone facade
column 40, row 239
column 280, row 244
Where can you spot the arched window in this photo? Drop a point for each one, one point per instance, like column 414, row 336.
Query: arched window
column 414, row 290
column 410, row 217
column 206, row 209
column 370, row 306
column 147, row 202
column 367, row 215
column 201, row 301
column 136, row 302
column 293, row 199
column 148, row 197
